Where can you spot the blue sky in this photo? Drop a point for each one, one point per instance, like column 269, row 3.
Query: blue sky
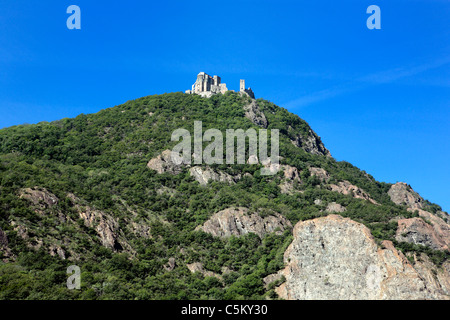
column 378, row 98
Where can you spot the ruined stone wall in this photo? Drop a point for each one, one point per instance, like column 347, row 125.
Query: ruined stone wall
column 206, row 86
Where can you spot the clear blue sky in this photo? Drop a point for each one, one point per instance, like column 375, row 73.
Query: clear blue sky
column 378, row 98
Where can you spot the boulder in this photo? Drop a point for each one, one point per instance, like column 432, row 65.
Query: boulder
column 402, row 194
column 336, row 258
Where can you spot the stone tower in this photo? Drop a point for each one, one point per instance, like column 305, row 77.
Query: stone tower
column 248, row 91
column 242, row 88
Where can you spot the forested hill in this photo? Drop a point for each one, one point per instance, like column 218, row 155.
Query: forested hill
column 96, row 191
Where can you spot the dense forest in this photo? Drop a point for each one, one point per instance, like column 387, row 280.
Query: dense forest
column 100, row 161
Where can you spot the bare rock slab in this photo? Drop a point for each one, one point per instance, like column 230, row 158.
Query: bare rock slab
column 337, row 258
column 240, row 221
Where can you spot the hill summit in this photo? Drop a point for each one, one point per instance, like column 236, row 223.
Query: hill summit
column 206, row 86
column 102, row 192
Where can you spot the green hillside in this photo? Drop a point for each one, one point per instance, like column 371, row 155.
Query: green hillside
column 97, row 164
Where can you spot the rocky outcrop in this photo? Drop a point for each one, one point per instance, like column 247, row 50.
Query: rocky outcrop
column 21, row 230
column 166, row 191
column 40, row 198
column 255, row 115
column 334, row 207
column 441, row 228
column 291, row 173
column 32, row 242
column 164, row 163
column 434, row 232
column 444, row 216
column 291, row 177
column 141, row 229
column 402, row 194
column 105, row 226
column 417, row 231
column 271, row 278
column 311, row 143
column 346, row 188
column 437, row 279
column 198, row 267
column 170, row 265
column 287, row 187
column 336, row 258
column 319, row 173
column 56, row 250
column 204, row 175
column 240, row 221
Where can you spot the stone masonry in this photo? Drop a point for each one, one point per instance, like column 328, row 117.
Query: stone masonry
column 207, row 85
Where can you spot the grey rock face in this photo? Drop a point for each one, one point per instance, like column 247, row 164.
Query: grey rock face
column 400, row 193
column 441, row 229
column 291, row 173
column 437, row 279
column 334, row 207
column 337, row 258
column 320, row 173
column 198, row 267
column 105, row 226
column 164, row 163
column 291, row 176
column 57, row 250
column 40, row 198
column 435, row 235
column 170, row 265
column 239, row 221
column 204, row 175
column 255, row 115
column 311, row 144
column 417, row 231
column 346, row 188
